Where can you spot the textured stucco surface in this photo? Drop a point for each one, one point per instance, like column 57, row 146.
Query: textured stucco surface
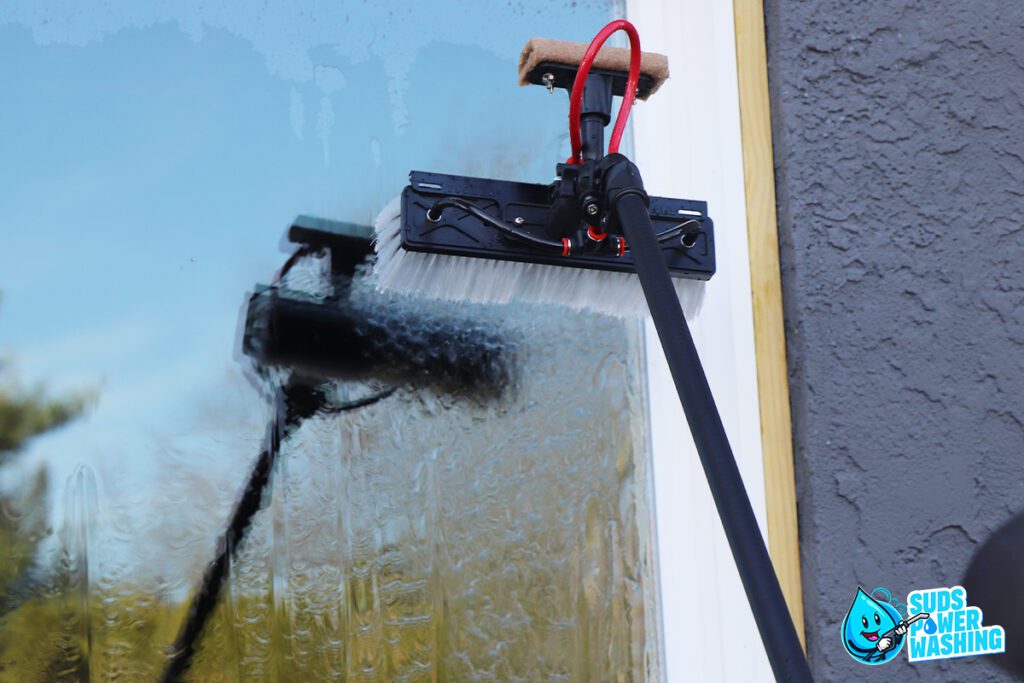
column 899, row 147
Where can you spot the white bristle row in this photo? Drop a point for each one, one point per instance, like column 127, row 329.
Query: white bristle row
column 481, row 280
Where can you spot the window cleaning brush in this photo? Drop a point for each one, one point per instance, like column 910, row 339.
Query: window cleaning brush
column 450, row 255
column 592, row 239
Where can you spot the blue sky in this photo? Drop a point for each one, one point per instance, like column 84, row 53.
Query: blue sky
column 153, row 157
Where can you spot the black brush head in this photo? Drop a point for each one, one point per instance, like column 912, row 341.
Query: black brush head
column 690, row 255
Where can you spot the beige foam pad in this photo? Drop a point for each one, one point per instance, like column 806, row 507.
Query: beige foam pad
column 539, row 50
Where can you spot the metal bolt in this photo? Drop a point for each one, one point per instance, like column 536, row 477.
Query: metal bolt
column 549, row 80
column 518, row 220
column 592, row 209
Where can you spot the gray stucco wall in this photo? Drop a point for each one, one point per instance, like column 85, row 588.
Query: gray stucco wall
column 899, row 148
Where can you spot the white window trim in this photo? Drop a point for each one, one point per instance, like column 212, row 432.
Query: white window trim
column 687, row 144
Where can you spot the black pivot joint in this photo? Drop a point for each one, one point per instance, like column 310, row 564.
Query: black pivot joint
column 584, row 197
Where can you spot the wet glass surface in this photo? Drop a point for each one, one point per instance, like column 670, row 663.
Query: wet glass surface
column 153, row 159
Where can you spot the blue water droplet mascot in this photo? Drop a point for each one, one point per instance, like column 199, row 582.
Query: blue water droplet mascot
column 873, row 631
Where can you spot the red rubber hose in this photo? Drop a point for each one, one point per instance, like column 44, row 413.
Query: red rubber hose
column 576, row 98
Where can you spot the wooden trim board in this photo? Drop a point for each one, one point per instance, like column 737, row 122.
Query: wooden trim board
column 766, row 290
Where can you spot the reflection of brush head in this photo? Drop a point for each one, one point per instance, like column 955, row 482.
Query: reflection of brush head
column 351, row 332
column 345, row 340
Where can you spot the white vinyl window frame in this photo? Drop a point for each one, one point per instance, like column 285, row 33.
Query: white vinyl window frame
column 687, row 143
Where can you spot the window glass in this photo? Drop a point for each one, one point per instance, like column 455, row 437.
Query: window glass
column 153, row 159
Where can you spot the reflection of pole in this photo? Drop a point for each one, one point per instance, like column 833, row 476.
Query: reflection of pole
column 293, row 403
column 755, row 566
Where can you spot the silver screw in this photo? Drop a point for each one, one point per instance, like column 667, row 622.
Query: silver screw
column 592, row 209
column 518, row 220
column 549, row 81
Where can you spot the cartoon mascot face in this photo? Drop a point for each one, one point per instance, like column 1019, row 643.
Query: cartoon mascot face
column 868, row 630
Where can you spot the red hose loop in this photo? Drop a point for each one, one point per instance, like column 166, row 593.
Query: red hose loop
column 576, row 99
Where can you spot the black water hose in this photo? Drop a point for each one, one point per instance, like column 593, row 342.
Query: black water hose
column 748, row 548
column 434, row 215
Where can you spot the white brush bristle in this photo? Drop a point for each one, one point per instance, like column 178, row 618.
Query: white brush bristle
column 480, row 280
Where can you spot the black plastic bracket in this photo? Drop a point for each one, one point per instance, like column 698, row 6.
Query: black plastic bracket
column 555, row 75
column 528, row 206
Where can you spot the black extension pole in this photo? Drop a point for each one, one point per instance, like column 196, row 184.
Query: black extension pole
column 787, row 659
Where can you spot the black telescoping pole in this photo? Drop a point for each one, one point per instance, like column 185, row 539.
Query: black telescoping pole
column 748, row 548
